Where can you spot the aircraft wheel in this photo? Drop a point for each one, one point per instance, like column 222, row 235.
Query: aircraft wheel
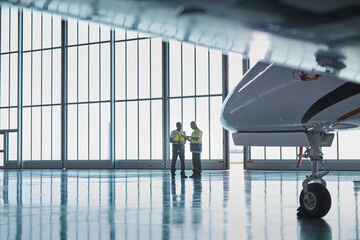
column 318, row 203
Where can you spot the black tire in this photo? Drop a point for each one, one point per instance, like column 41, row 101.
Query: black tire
column 319, row 202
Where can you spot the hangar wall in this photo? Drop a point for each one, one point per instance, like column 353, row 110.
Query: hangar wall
column 344, row 154
column 77, row 94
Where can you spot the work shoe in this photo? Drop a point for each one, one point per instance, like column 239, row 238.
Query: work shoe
column 184, row 176
column 192, row 176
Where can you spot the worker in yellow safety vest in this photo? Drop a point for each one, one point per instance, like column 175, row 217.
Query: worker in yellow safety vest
column 196, row 149
column 178, row 139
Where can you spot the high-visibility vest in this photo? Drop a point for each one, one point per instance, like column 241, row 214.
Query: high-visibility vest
column 178, row 136
column 196, row 146
column 197, row 133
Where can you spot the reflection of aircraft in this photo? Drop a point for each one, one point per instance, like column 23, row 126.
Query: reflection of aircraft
column 285, row 97
column 279, row 106
column 314, row 229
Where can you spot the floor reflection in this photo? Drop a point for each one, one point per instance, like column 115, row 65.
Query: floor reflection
column 314, row 229
column 144, row 204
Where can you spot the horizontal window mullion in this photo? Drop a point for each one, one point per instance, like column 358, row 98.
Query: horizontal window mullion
column 8, row 53
column 42, row 105
column 41, row 49
column 137, row 99
column 90, row 102
column 8, row 107
column 101, row 42
column 197, row 96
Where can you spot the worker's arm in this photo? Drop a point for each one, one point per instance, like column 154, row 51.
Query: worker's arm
column 172, row 137
column 192, row 138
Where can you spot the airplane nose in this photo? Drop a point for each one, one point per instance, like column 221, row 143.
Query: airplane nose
column 226, row 119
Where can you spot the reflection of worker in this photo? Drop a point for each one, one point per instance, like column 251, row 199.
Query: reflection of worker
column 196, row 205
column 178, row 203
column 177, row 138
column 196, row 148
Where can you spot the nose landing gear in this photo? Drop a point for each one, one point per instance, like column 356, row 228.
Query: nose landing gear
column 318, row 201
column 315, row 199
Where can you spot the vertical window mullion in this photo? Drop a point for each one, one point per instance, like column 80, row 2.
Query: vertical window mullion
column 126, row 113
column 112, row 98
column 41, row 86
column 77, row 89
column 0, row 54
column 264, row 152
column 182, row 83
column 51, row 96
column 20, row 88
column 31, row 79
column 209, row 102
column 64, row 92
column 9, row 90
column 88, row 95
column 195, row 80
column 150, row 89
column 99, row 92
column 9, row 30
column 9, row 86
column 9, row 60
column 138, row 102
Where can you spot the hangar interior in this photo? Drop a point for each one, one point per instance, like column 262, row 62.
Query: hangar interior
column 78, row 95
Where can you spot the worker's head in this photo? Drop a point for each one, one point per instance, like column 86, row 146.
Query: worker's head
column 193, row 125
column 178, row 126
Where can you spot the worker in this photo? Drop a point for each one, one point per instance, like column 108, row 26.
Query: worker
column 177, row 138
column 196, row 149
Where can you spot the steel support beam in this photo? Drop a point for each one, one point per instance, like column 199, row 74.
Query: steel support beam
column 165, row 101
column 64, row 79
column 112, row 98
column 225, row 92
column 20, row 88
column 245, row 68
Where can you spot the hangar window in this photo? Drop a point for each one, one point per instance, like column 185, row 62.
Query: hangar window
column 196, row 94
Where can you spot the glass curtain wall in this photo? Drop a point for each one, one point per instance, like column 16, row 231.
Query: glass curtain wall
column 138, row 96
column 137, row 85
column 41, row 86
column 196, row 94
column 88, row 103
column 344, row 147
column 9, row 75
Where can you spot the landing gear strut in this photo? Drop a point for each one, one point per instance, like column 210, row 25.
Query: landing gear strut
column 315, row 199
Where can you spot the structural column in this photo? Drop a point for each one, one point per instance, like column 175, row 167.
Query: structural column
column 165, row 101
column 64, row 71
column 225, row 92
column 245, row 68
column 112, row 98
column 20, row 88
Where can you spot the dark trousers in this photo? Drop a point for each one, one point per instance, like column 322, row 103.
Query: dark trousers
column 182, row 161
column 196, row 163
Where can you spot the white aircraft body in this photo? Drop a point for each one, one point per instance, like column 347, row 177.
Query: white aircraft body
column 305, row 88
column 279, row 106
column 273, row 98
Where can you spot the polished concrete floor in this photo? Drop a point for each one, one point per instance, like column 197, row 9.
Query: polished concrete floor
column 147, row 204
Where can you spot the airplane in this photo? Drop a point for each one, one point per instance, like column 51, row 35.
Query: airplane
column 305, row 87
column 275, row 105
